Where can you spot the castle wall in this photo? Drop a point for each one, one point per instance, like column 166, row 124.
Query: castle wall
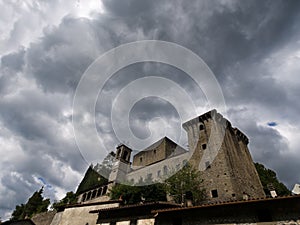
column 158, row 171
column 150, row 156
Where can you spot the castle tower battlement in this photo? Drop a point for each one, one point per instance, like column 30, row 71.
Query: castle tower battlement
column 221, row 153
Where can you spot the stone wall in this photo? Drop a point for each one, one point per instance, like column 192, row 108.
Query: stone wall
column 43, row 218
column 158, row 171
column 80, row 215
column 158, row 151
column 220, row 152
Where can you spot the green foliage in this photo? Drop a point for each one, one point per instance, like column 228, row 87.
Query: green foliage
column 70, row 198
column 35, row 204
column 185, row 182
column 135, row 194
column 268, row 178
column 18, row 213
column 91, row 180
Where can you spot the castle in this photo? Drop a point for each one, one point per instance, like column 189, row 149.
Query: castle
column 216, row 148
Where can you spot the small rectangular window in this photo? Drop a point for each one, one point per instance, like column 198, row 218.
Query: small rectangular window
column 204, row 146
column 141, row 159
column 207, row 165
column 158, row 173
column 214, row 193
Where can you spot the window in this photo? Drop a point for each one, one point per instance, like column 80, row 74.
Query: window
column 233, row 195
column 141, row 159
column 125, row 154
column 214, row 193
column 99, row 192
column 154, row 151
column 207, row 165
column 84, row 197
column 201, row 127
column 94, row 193
column 88, row 195
column 204, row 146
column 104, row 190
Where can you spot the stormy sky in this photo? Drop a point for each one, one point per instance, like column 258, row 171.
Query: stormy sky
column 251, row 47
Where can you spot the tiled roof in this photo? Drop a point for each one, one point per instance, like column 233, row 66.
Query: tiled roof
column 147, row 204
column 224, row 203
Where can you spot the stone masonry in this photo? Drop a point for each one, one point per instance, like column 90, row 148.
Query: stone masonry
column 221, row 153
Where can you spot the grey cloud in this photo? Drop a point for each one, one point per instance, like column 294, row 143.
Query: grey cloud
column 233, row 37
column 14, row 60
column 267, row 145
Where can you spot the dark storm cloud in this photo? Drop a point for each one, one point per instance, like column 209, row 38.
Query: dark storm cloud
column 235, row 38
column 220, row 32
column 11, row 65
column 60, row 58
column 14, row 60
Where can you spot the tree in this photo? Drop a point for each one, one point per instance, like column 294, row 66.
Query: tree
column 129, row 194
column 135, row 194
column 268, row 178
column 35, row 204
column 70, row 198
column 186, row 183
column 18, row 213
column 91, row 180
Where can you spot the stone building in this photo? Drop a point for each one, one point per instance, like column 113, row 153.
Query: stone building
column 221, row 153
column 216, row 148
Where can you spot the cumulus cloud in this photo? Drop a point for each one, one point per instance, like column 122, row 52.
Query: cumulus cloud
column 45, row 47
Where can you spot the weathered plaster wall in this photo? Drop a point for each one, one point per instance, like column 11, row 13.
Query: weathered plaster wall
column 80, row 215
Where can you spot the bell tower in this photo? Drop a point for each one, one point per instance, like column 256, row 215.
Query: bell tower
column 121, row 166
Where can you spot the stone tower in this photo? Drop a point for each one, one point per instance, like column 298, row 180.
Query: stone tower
column 220, row 152
column 121, row 166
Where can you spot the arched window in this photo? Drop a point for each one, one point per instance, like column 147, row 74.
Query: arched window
column 125, row 154
column 94, row 193
column 104, row 190
column 201, row 127
column 88, row 195
column 99, row 192
column 84, row 197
